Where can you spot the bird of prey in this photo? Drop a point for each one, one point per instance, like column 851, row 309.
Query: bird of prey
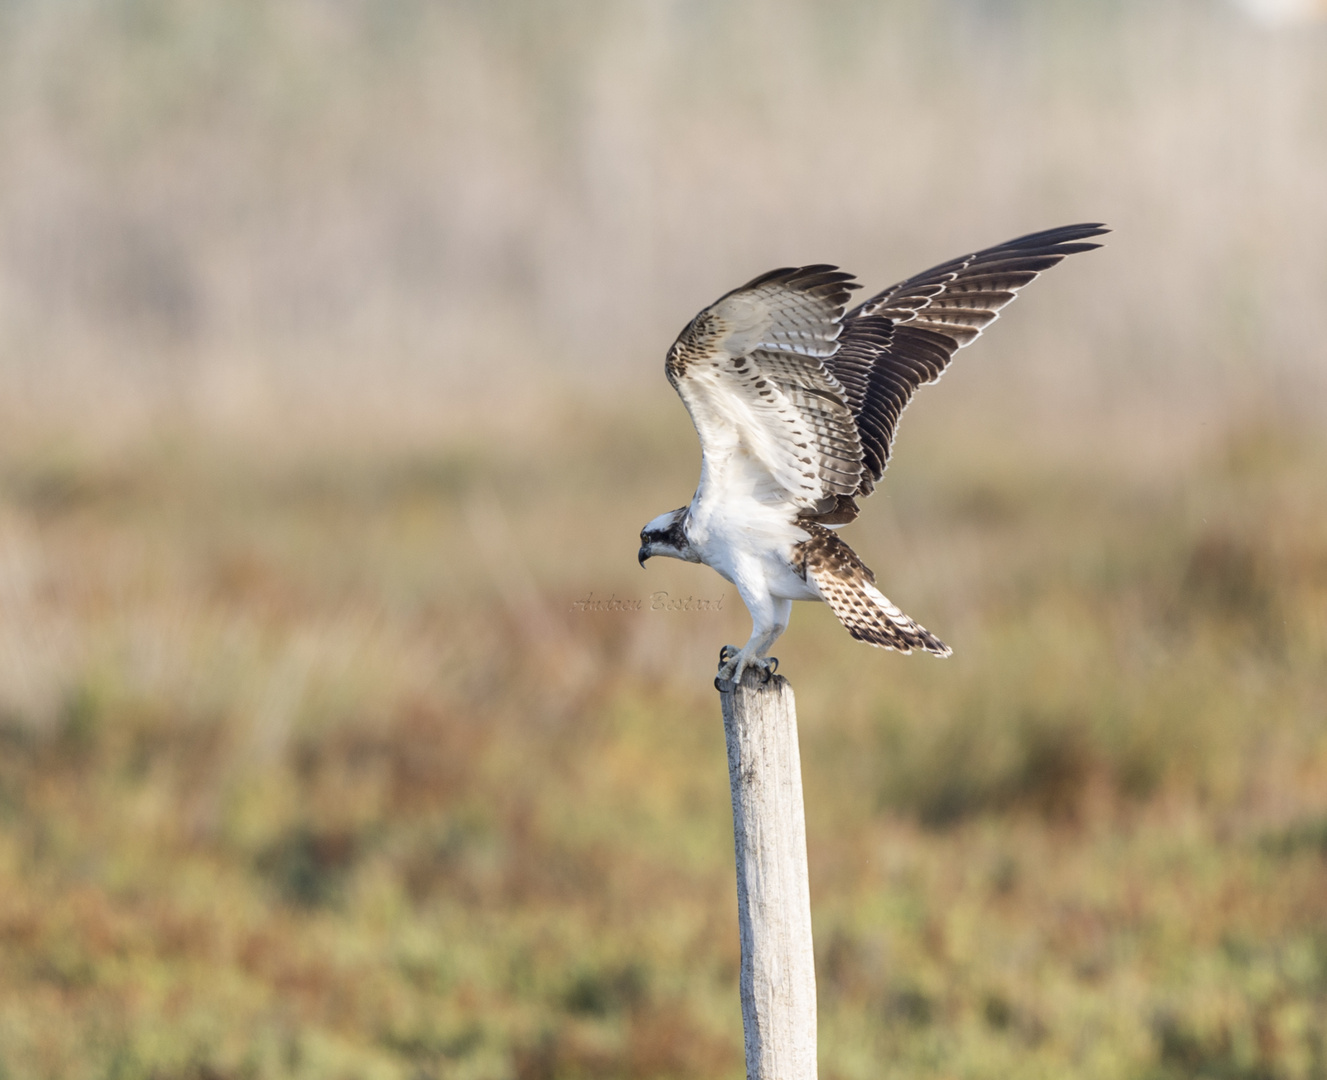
column 796, row 403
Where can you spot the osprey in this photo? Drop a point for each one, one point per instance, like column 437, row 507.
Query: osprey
column 796, row 404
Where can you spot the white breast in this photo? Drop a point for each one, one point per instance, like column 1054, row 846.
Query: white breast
column 743, row 526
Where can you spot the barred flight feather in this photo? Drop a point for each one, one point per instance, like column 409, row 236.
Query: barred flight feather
column 904, row 337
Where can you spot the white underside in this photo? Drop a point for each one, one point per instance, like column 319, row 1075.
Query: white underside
column 744, row 526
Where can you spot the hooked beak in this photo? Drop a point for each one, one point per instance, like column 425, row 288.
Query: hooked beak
column 642, row 555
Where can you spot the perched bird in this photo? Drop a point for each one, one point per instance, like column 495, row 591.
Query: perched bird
column 796, row 404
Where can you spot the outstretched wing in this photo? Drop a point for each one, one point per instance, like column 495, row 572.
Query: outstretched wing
column 751, row 370
column 905, row 336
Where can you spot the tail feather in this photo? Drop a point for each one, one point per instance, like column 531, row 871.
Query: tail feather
column 848, row 587
column 871, row 617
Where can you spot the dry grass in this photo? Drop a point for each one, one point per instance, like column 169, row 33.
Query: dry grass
column 294, row 784
column 289, row 216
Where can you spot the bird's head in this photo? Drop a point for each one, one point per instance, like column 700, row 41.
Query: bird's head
column 666, row 535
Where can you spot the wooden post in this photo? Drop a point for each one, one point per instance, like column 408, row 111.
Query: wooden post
column 773, row 892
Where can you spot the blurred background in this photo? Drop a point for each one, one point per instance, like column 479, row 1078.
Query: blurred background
column 331, row 340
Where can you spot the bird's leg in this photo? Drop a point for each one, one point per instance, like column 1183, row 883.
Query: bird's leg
column 769, row 619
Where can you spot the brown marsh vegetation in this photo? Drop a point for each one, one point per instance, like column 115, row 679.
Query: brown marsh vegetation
column 330, row 354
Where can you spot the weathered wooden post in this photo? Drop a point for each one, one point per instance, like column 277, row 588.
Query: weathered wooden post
column 773, row 891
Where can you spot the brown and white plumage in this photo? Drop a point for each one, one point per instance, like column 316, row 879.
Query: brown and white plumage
column 796, row 403
column 847, row 585
column 752, row 367
column 904, row 337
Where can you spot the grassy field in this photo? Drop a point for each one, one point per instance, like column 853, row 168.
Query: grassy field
column 314, row 767
column 331, row 403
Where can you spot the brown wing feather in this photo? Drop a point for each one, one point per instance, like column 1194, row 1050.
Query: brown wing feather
column 904, row 337
column 750, row 368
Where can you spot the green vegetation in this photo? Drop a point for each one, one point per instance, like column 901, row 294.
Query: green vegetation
column 310, row 768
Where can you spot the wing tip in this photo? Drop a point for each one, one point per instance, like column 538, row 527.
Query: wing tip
column 811, row 274
column 1059, row 238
